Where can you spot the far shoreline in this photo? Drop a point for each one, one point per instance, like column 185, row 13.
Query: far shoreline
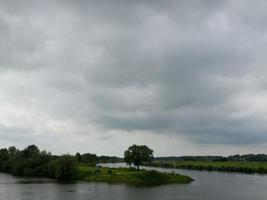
column 243, row 167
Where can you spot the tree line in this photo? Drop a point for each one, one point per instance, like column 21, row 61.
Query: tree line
column 237, row 157
column 93, row 159
column 32, row 162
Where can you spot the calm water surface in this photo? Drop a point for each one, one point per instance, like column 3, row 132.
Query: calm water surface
column 207, row 186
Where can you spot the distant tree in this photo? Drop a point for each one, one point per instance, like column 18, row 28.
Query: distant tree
column 137, row 154
column 89, row 158
column 78, row 157
column 12, row 151
column 30, row 151
column 109, row 159
column 4, row 155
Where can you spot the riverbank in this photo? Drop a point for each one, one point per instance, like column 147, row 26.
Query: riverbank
column 129, row 176
column 230, row 166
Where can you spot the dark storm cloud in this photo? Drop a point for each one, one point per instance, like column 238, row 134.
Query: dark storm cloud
column 161, row 66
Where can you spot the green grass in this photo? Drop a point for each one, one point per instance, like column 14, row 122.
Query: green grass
column 129, row 176
column 229, row 166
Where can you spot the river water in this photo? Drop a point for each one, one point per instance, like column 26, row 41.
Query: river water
column 207, row 186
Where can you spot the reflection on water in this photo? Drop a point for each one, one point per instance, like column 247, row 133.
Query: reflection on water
column 6, row 179
column 207, row 186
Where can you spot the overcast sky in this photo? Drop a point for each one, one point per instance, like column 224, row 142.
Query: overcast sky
column 183, row 77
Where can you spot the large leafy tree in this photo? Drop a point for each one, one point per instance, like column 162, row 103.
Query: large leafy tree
column 137, row 154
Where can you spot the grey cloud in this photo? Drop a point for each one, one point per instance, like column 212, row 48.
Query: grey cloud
column 13, row 133
column 162, row 67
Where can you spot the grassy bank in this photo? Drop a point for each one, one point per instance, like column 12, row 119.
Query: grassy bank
column 230, row 166
column 129, row 176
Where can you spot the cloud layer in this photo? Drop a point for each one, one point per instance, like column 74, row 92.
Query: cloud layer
column 85, row 76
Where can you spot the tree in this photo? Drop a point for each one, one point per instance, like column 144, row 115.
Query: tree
column 33, row 162
column 65, row 167
column 4, row 156
column 12, row 151
column 30, row 151
column 137, row 154
column 127, row 158
column 78, row 157
column 89, row 158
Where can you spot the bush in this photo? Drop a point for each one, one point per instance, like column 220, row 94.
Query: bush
column 152, row 173
column 65, row 167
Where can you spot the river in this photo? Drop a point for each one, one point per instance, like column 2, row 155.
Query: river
column 207, row 186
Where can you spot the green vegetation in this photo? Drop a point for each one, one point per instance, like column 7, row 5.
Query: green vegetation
column 236, row 157
column 137, row 154
column 33, row 162
column 227, row 166
column 93, row 159
column 130, row 176
column 64, row 167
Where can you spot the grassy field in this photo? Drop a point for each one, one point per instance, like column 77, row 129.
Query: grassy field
column 129, row 176
column 230, row 166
